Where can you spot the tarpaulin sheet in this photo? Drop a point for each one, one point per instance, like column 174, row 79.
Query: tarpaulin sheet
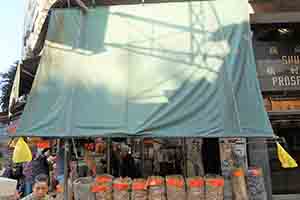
column 168, row 69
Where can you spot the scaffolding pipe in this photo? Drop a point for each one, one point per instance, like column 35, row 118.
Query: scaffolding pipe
column 142, row 156
column 108, row 155
column 185, row 168
column 66, row 174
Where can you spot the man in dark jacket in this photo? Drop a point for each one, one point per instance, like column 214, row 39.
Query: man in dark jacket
column 128, row 167
column 40, row 164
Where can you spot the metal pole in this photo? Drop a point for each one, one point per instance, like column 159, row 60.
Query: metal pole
column 142, row 154
column 108, row 153
column 69, row 3
column 58, row 146
column 66, row 174
column 75, row 149
column 184, row 157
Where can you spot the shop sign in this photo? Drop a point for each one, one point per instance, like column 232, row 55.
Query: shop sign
column 278, row 67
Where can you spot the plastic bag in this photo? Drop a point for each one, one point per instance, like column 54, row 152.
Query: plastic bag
column 22, row 152
column 195, row 188
column 121, row 188
column 157, row 189
column 214, row 187
column 175, row 187
column 286, row 160
column 139, row 189
column 82, row 188
column 103, row 187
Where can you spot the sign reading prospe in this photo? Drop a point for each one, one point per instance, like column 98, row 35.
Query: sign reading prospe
column 285, row 77
column 278, row 67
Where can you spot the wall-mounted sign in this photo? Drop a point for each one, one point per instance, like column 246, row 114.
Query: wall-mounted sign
column 278, row 65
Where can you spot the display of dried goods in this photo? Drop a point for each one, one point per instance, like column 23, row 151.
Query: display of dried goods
column 82, row 189
column 104, row 178
column 157, row 190
column 139, row 189
column 121, row 188
column 195, row 188
column 256, row 185
column 175, row 187
column 102, row 191
column 239, row 187
column 214, row 187
column 103, row 187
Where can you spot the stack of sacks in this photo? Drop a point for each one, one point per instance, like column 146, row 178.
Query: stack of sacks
column 103, row 187
column 157, row 190
column 175, row 187
column 195, row 188
column 214, row 188
column 121, row 188
column 139, row 189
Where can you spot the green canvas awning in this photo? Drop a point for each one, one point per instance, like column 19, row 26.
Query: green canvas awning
column 169, row 69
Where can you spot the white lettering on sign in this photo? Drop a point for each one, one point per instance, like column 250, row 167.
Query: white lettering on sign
column 293, row 80
column 283, row 81
column 290, row 60
column 280, row 80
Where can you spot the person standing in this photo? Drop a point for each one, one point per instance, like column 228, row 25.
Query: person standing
column 40, row 164
column 27, row 172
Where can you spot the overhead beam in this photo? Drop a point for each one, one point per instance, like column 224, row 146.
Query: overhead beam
column 276, row 17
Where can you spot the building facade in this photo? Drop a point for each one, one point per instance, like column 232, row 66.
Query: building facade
column 276, row 41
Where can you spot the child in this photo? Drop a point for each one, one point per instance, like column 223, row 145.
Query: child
column 40, row 189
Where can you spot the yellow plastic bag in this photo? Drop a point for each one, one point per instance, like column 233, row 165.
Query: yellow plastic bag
column 286, row 160
column 22, row 152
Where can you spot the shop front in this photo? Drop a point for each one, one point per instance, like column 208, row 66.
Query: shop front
column 159, row 78
column 285, row 182
column 277, row 53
